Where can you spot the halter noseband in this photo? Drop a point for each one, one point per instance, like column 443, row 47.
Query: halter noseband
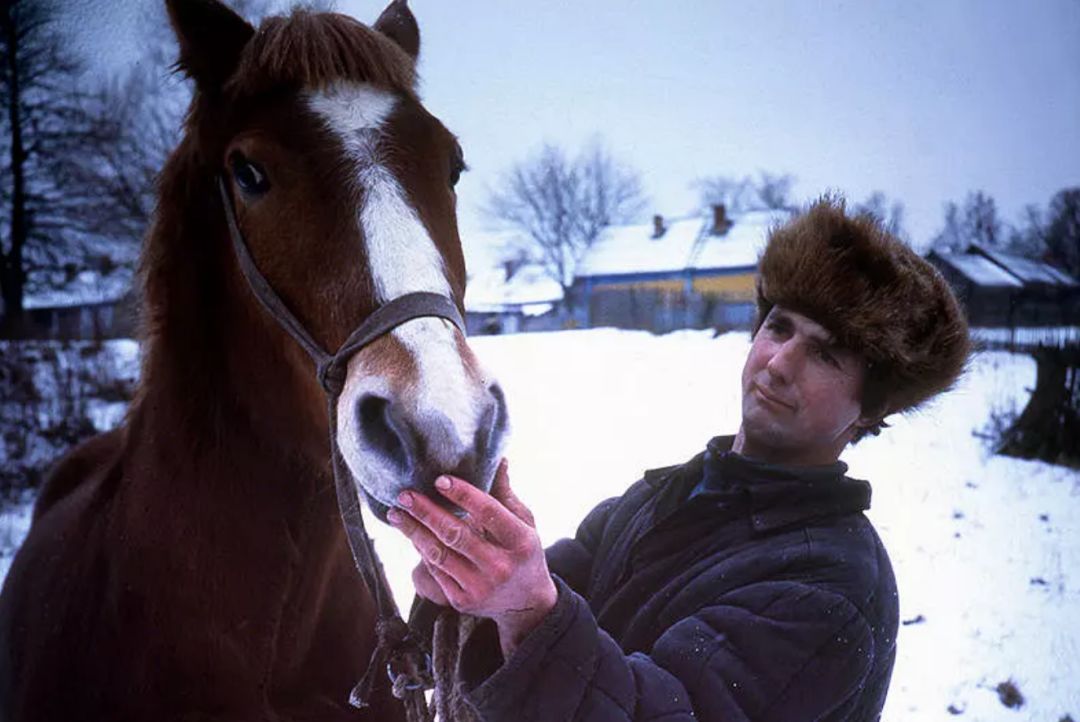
column 395, row 648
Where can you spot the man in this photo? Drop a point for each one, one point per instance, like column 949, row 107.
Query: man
column 745, row 584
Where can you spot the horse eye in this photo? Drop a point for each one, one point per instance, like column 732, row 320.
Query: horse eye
column 249, row 175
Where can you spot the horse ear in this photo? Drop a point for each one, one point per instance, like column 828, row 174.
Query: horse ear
column 398, row 24
column 211, row 38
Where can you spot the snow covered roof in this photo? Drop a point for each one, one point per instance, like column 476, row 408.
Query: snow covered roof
column 488, row 291
column 622, row 250
column 686, row 244
column 1028, row 270
column 88, row 287
column 980, row 270
column 1060, row 336
column 530, row 286
column 741, row 245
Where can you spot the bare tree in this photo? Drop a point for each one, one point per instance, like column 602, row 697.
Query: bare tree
column 769, row 191
column 737, row 195
column 48, row 124
column 952, row 238
column 890, row 215
column 1062, row 236
column 559, row 205
column 79, row 162
column 977, row 222
column 774, row 190
column 1054, row 234
column 147, row 103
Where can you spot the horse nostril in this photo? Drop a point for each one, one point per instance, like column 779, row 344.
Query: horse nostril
column 379, row 427
column 494, row 424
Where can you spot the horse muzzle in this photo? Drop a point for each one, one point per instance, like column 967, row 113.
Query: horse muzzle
column 399, row 431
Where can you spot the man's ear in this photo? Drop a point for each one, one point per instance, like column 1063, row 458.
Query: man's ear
column 211, row 38
column 869, row 422
column 398, row 24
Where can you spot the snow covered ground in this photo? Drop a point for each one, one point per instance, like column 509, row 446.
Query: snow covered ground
column 986, row 549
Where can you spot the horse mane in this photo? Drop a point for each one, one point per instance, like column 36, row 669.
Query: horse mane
column 311, row 50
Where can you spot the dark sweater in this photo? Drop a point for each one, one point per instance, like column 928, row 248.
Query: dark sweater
column 722, row 589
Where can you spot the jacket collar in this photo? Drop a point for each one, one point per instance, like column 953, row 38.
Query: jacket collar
column 776, row 496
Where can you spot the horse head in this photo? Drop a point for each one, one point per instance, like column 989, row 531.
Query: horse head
column 342, row 184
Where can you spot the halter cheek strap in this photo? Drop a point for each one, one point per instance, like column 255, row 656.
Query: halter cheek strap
column 395, row 650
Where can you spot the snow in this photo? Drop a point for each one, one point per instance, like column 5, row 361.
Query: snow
column 986, row 549
column 741, row 245
column 686, row 245
column 1028, row 336
column 1029, row 270
column 14, row 525
column 632, row 249
column 529, row 287
column 981, row 270
column 89, row 286
column 86, row 289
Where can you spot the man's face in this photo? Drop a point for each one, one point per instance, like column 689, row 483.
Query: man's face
column 801, row 393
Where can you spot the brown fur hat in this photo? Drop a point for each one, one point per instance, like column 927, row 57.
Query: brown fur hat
column 875, row 295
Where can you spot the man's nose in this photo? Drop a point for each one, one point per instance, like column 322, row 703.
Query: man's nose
column 783, row 362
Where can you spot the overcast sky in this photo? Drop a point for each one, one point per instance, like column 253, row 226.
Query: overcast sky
column 922, row 99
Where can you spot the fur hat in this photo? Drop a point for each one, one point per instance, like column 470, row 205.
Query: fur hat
column 875, row 295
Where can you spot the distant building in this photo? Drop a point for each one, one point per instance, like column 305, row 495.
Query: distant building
column 686, row 273
column 512, row 300
column 91, row 308
column 1004, row 290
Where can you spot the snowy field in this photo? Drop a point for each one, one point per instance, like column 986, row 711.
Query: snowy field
column 986, row 550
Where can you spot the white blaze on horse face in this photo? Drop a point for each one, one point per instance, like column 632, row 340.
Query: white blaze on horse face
column 444, row 399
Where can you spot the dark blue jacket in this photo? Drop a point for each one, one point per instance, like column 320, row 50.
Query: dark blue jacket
column 723, row 589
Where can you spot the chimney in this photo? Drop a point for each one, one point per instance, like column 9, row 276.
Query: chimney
column 721, row 223
column 658, row 226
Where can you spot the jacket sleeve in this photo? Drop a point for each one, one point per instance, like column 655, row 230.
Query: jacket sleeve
column 770, row 651
column 572, row 559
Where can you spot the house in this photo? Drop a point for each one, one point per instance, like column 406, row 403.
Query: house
column 1005, row 290
column 91, row 307
column 510, row 300
column 504, row 296
column 686, row 273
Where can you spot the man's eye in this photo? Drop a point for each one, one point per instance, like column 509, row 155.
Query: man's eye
column 776, row 328
column 827, row 357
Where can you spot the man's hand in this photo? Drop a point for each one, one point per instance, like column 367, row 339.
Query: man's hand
column 490, row 564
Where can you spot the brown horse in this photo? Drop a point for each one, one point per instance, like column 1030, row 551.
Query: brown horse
column 192, row 564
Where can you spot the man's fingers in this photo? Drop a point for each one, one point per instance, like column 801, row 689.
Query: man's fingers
column 427, row 586
column 457, row 534
column 449, row 586
column 488, row 513
column 438, row 555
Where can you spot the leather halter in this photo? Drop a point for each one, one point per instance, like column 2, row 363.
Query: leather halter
column 395, row 648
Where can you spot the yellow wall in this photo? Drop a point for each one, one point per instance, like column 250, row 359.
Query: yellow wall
column 732, row 288
column 739, row 287
column 674, row 285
